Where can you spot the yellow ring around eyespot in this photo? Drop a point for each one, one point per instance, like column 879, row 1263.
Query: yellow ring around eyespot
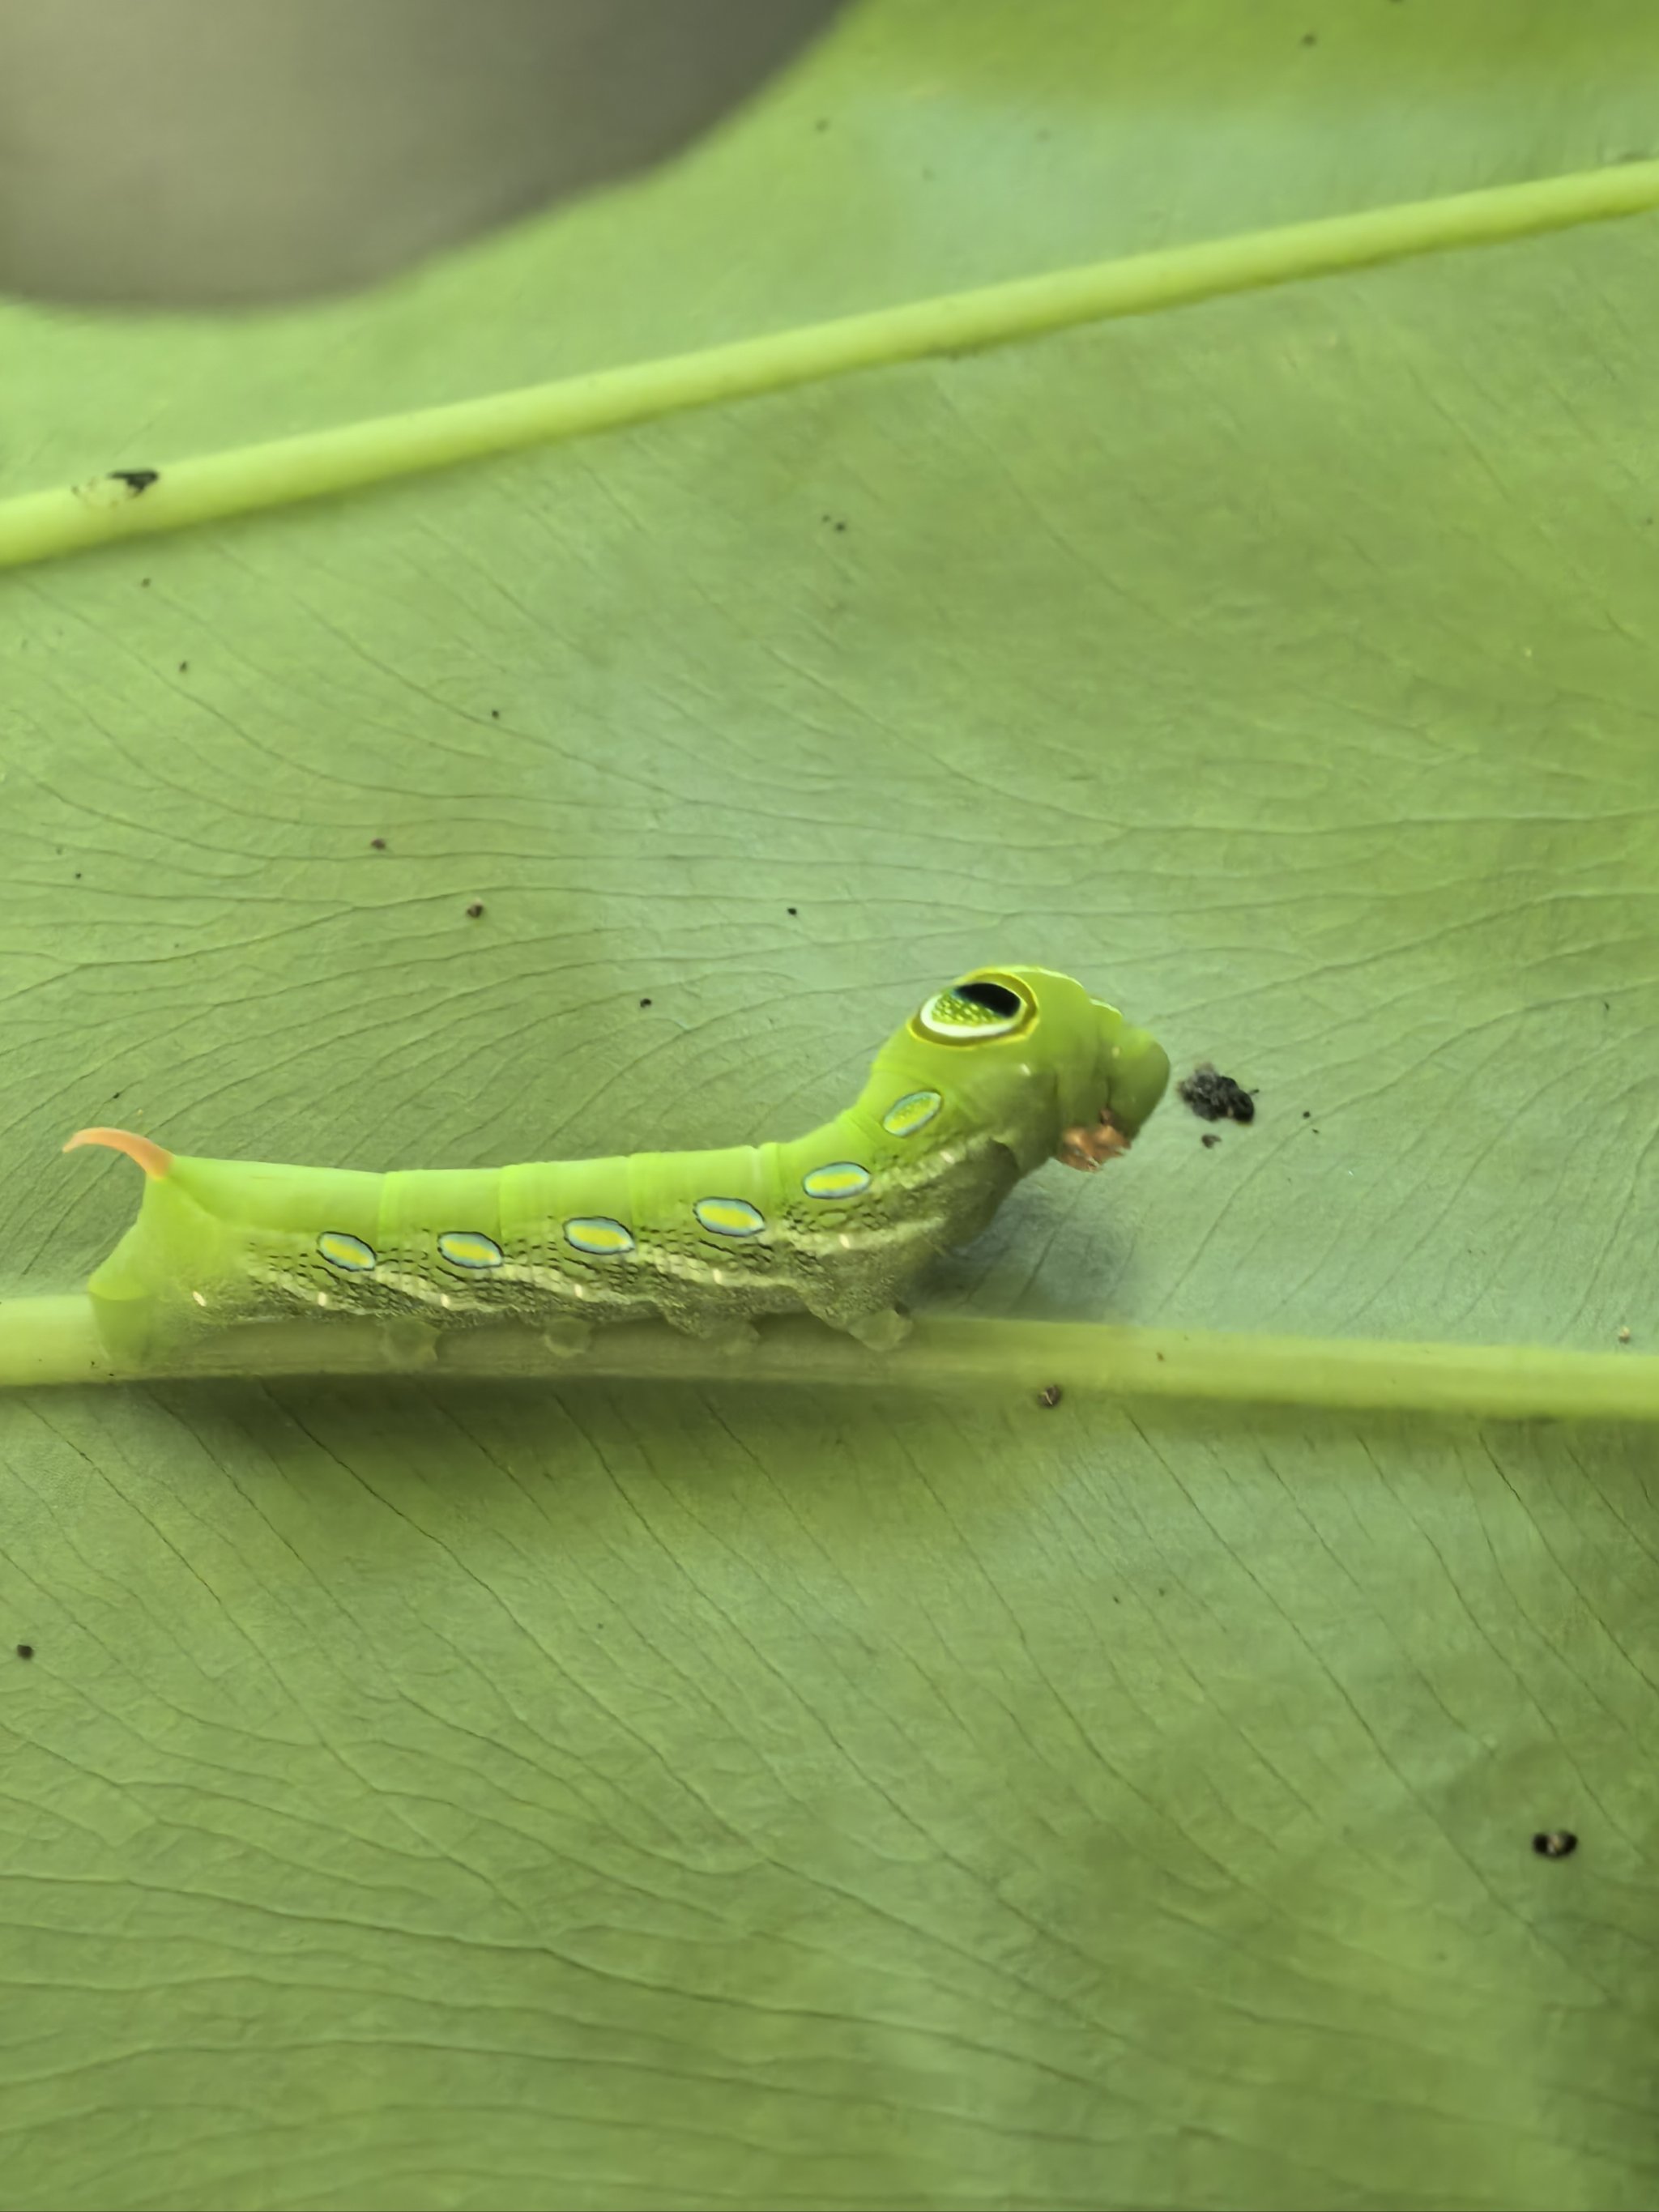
column 990, row 1032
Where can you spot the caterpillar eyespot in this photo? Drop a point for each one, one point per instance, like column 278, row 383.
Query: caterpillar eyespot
column 349, row 1254
column 977, row 1008
column 604, row 1239
column 906, row 1116
column 837, row 1179
column 1002, row 1070
column 470, row 1248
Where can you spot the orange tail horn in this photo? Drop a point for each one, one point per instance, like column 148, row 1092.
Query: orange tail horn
column 154, row 1160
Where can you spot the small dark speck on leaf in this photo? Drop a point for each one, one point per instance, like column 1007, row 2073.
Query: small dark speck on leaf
column 135, row 480
column 25, row 1652
column 840, row 525
column 823, row 123
column 793, row 910
column 475, row 910
column 1209, row 1140
column 1215, row 1097
column 1310, row 37
column 1306, row 1113
column 1049, row 1394
column 1160, row 1355
column 645, row 1002
column 184, row 668
column 377, row 844
column 1623, row 1336
column 1555, row 1844
column 143, row 583
column 1606, row 1008
column 495, row 714
column 78, row 875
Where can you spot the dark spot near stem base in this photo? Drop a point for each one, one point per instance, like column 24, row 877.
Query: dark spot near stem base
column 136, row 481
column 1555, row 1844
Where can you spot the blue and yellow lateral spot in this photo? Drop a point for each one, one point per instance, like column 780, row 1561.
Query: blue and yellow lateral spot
column 730, row 1216
column 912, row 1112
column 597, row 1234
column 349, row 1253
column 470, row 1248
column 835, row 1179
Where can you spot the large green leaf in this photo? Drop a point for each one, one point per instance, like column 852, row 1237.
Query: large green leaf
column 423, row 1795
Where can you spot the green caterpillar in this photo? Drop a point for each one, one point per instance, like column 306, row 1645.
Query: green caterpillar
column 1005, row 1069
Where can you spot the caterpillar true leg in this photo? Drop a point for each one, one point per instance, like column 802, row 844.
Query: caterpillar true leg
column 1088, row 1148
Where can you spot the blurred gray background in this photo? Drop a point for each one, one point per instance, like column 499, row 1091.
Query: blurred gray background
column 223, row 153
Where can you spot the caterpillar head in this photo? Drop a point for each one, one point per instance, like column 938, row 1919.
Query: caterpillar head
column 1051, row 1071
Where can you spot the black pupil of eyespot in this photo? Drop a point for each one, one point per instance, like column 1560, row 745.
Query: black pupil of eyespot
column 995, row 997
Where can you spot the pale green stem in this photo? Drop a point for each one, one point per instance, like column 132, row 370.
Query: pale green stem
column 39, row 524
column 53, row 1339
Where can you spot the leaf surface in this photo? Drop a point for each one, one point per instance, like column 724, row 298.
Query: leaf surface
column 448, row 1797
